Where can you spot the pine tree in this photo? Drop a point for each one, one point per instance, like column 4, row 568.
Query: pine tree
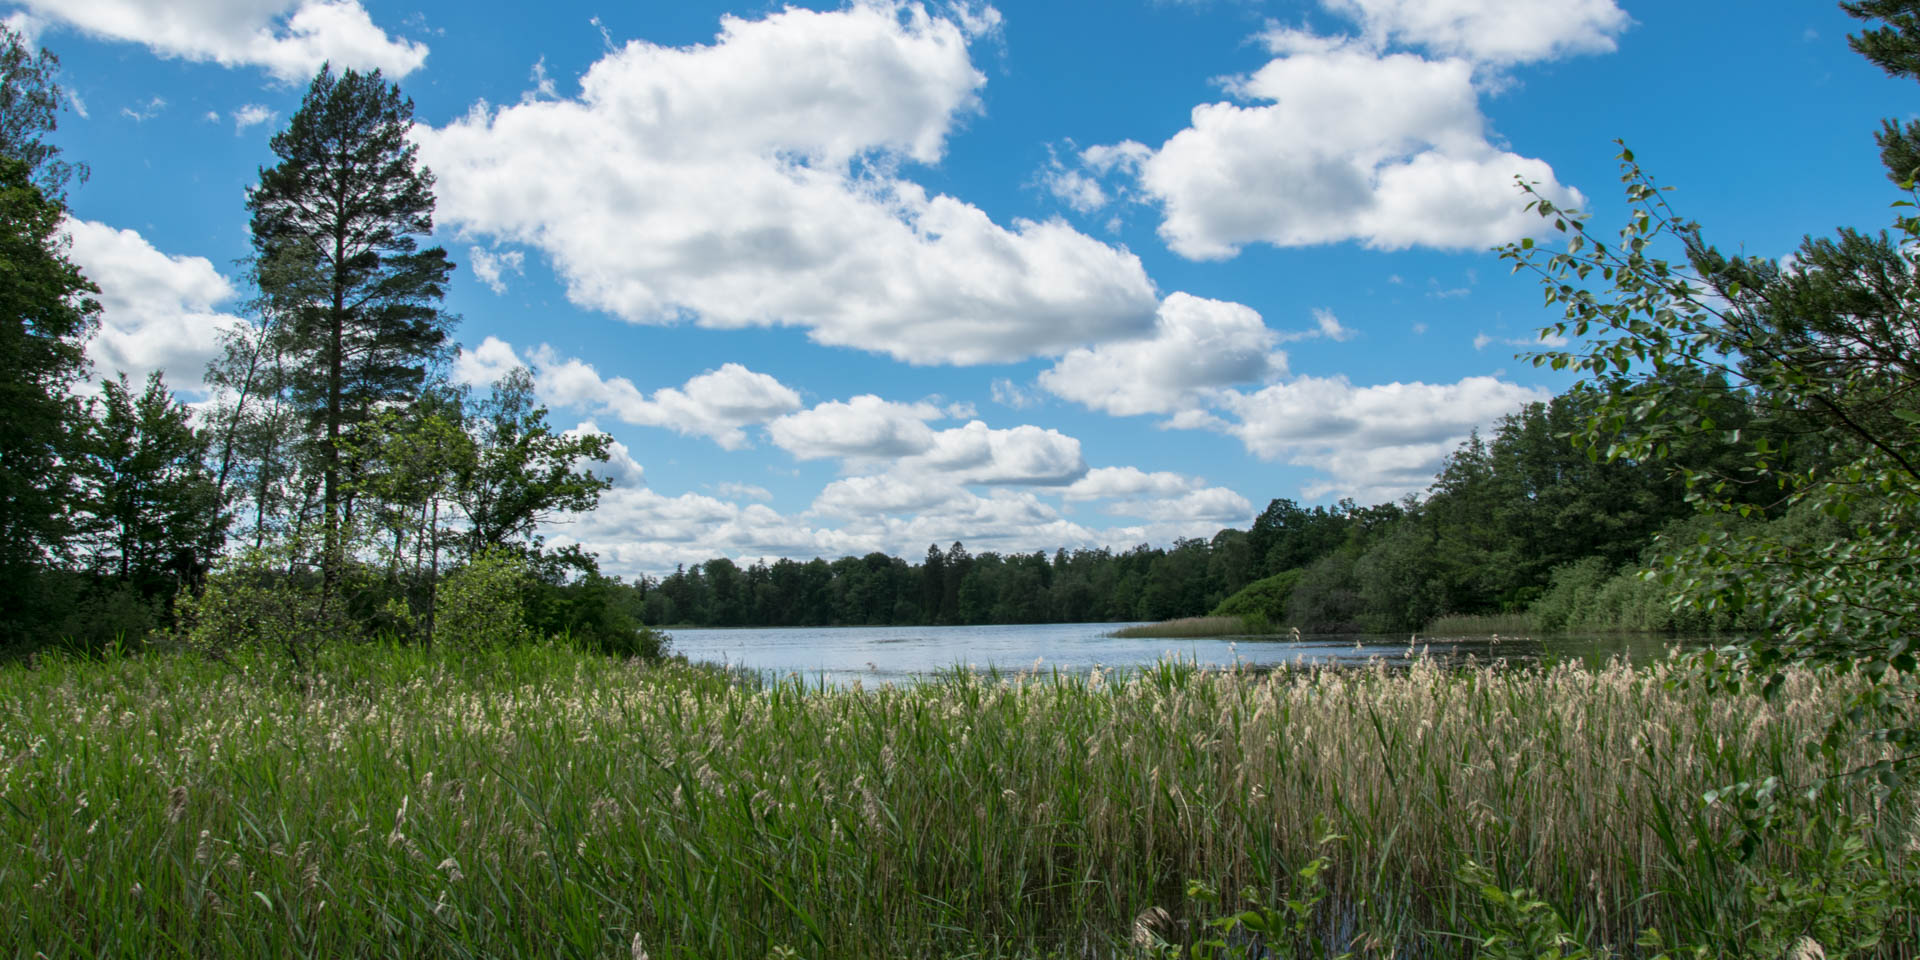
column 1895, row 48
column 337, row 258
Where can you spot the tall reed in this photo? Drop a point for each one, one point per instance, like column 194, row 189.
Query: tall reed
column 544, row 803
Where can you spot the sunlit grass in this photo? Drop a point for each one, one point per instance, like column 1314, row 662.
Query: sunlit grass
column 545, row 803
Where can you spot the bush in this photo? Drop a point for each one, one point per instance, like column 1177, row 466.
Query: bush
column 481, row 606
column 1265, row 598
column 267, row 599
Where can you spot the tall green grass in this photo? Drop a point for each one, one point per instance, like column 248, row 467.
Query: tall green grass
column 545, row 803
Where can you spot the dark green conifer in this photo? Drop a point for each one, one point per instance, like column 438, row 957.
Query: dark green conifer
column 336, row 228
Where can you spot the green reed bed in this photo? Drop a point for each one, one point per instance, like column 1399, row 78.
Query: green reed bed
column 1468, row 624
column 1188, row 627
column 544, row 803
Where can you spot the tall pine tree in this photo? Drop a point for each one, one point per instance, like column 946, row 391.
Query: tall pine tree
column 336, row 228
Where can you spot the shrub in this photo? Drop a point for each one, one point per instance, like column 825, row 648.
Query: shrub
column 481, row 606
column 1266, row 598
column 267, row 599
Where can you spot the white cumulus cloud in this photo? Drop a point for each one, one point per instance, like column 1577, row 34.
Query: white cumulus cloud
column 251, row 115
column 1490, row 31
column 1022, row 455
column 158, row 311
column 1198, row 345
column 754, row 181
column 865, row 427
column 1128, row 482
column 1335, row 141
column 288, row 38
column 1373, row 442
column 716, row 404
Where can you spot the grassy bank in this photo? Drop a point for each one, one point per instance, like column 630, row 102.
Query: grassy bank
column 544, row 803
column 1187, row 627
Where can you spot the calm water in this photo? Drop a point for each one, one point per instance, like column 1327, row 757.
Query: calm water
column 841, row 655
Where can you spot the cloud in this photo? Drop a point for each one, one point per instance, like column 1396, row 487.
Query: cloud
column 743, row 491
column 491, row 268
column 152, row 108
column 1198, row 345
column 1490, row 31
column 1334, row 141
column 754, row 181
column 1007, row 394
column 1071, row 187
column 638, row 530
column 288, row 38
column 1549, row 340
column 1108, row 482
column 620, row 467
column 27, row 27
column 692, row 528
column 868, row 430
column 898, row 511
column 865, row 427
column 889, row 493
column 543, row 85
column 1374, row 442
column 1325, row 324
column 1023, row 455
column 715, row 404
column 1214, row 506
column 158, row 312
column 250, row 115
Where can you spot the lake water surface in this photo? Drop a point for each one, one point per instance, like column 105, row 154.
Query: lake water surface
column 840, row 655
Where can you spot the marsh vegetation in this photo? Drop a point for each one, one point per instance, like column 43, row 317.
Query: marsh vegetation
column 541, row 802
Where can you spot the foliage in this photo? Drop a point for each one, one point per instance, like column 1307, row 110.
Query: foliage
column 520, row 473
column 1823, row 352
column 46, row 313
column 30, row 104
column 153, row 518
column 567, row 597
column 335, row 229
column 480, row 606
column 1265, row 597
column 1823, row 378
column 1517, row 924
column 270, row 601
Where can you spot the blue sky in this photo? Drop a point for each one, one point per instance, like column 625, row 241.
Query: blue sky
column 843, row 278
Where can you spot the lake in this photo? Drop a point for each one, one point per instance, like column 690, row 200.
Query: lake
column 838, row 656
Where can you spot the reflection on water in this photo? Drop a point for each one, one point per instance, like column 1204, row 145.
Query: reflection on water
column 841, row 655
